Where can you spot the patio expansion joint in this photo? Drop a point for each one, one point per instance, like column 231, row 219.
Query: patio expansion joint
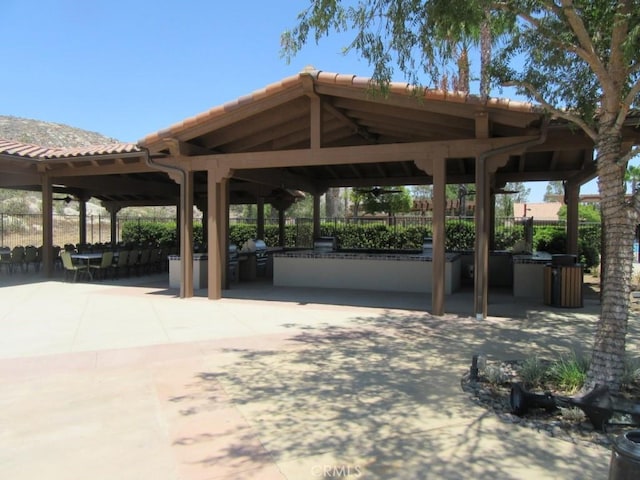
column 79, row 325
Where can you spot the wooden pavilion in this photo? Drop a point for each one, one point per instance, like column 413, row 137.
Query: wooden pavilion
column 310, row 132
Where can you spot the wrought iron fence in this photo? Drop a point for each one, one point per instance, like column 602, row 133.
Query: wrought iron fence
column 26, row 229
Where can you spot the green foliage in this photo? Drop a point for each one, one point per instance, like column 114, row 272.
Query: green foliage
column 145, row 232
column 396, row 202
column 569, row 372
column 506, row 237
column 241, row 232
column 534, row 372
column 550, row 239
column 631, row 374
column 553, row 239
column 460, row 235
column 586, row 213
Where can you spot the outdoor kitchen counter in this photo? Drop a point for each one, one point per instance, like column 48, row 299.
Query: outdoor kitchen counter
column 528, row 274
column 395, row 272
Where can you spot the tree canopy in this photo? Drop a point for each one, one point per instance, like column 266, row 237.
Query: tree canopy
column 579, row 59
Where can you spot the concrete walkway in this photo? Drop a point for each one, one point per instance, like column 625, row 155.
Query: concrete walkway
column 121, row 380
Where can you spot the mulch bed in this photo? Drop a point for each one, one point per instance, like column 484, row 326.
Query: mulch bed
column 566, row 423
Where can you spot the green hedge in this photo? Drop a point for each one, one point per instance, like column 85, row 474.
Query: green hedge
column 554, row 240
column 460, row 235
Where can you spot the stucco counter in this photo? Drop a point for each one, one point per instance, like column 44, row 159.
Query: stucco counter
column 200, row 278
column 528, row 274
column 393, row 272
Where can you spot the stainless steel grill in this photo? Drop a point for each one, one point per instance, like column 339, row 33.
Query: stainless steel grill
column 324, row 244
column 427, row 246
column 232, row 263
column 261, row 258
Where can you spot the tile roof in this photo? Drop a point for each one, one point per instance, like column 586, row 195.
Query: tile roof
column 35, row 152
column 9, row 147
column 334, row 79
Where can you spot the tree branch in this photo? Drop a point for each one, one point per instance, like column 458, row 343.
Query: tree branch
column 635, row 201
column 629, row 155
column 558, row 112
column 588, row 51
column 626, row 103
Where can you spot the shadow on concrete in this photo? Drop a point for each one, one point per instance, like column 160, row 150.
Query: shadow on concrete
column 385, row 397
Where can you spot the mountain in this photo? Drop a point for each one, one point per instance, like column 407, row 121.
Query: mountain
column 47, row 134
column 44, row 134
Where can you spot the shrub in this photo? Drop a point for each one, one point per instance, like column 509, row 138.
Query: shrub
column 534, row 372
column 460, row 235
column 241, row 232
column 507, row 237
column 631, row 374
column 569, row 372
column 146, row 232
column 495, row 375
column 550, row 239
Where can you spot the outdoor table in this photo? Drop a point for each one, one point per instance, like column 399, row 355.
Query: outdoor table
column 87, row 257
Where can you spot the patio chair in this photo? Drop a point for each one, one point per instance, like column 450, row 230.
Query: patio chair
column 68, row 265
column 133, row 264
column 5, row 258
column 106, row 263
column 155, row 263
column 17, row 258
column 122, row 263
column 31, row 257
column 143, row 262
column 55, row 254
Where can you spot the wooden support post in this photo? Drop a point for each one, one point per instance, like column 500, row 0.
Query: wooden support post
column 481, row 258
column 260, row 218
column 214, row 286
column 439, row 255
column 316, row 215
column 186, row 236
column 47, row 225
column 572, row 197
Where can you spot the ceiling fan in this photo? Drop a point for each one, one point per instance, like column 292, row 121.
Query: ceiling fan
column 502, row 191
column 66, row 199
column 377, row 191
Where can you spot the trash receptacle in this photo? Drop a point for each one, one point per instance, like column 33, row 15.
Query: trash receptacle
column 625, row 457
column 563, row 282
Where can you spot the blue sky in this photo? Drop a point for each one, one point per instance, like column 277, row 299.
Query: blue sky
column 129, row 68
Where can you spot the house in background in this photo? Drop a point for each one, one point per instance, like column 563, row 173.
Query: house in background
column 539, row 211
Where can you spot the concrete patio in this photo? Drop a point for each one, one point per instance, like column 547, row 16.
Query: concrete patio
column 121, row 379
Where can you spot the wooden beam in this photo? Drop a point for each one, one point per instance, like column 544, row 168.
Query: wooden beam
column 275, row 178
column 459, row 109
column 225, row 115
column 94, row 170
column 482, row 129
column 357, row 154
column 350, row 123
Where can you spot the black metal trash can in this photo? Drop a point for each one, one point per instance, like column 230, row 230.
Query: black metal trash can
column 625, row 457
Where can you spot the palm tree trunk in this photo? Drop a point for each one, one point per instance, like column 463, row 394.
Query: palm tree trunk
column 607, row 362
column 485, row 56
